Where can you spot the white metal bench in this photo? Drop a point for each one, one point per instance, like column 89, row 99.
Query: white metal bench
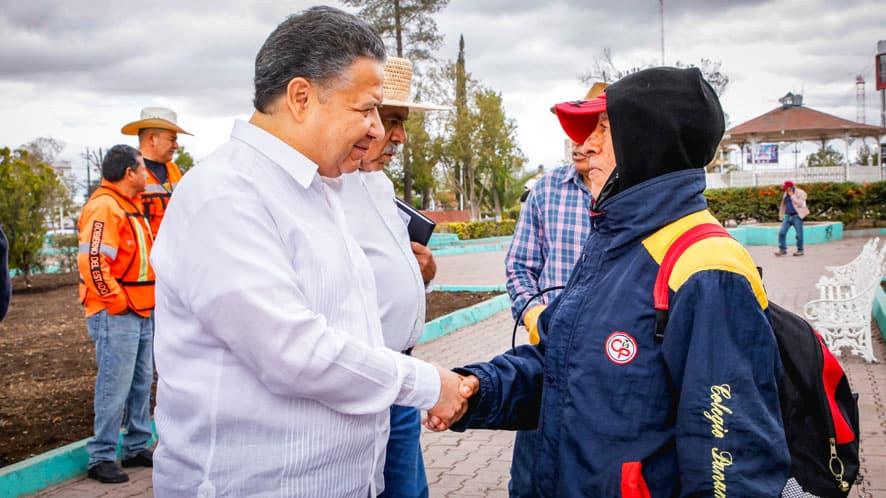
column 842, row 280
column 842, row 314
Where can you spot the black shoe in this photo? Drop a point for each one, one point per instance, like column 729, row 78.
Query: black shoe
column 108, row 472
column 144, row 458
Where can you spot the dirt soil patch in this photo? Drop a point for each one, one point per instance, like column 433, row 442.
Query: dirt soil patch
column 441, row 303
column 47, row 364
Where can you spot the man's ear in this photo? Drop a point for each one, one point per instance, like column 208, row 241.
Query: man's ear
column 298, row 97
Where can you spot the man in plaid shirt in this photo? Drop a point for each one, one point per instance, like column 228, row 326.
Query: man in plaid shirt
column 554, row 224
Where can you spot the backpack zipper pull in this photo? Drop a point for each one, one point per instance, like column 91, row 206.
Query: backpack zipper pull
column 836, row 462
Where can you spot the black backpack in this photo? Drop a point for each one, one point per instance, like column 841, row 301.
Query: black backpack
column 818, row 408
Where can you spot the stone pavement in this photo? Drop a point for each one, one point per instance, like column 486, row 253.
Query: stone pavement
column 476, row 463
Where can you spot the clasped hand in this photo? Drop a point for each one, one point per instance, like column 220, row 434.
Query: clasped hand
column 455, row 391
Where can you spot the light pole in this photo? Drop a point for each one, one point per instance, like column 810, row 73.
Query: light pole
column 661, row 17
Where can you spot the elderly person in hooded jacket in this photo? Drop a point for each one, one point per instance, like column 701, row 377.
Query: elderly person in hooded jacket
column 621, row 412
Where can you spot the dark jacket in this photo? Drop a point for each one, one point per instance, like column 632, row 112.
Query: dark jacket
column 620, row 413
column 5, row 283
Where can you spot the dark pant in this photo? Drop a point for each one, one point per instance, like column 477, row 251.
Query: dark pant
column 526, row 447
column 404, row 465
column 790, row 220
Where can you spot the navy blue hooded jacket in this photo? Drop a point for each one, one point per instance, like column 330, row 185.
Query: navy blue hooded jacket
column 622, row 415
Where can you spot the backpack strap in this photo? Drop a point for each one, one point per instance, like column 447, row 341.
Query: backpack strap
column 660, row 293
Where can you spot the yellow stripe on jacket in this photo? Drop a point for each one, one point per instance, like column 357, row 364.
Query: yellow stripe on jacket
column 716, row 253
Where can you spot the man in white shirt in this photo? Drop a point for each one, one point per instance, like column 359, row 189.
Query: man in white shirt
column 402, row 269
column 274, row 378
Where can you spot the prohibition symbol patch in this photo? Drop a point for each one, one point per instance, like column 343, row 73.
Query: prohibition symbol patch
column 621, row 348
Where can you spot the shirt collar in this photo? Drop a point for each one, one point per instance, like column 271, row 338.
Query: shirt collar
column 292, row 161
column 573, row 176
column 570, row 174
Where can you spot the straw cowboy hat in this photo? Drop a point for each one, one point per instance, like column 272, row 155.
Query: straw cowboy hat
column 154, row 117
column 398, row 87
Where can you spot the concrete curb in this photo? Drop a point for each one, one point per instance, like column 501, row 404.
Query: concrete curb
column 879, row 310
column 470, row 288
column 48, row 469
column 756, row 235
column 464, row 317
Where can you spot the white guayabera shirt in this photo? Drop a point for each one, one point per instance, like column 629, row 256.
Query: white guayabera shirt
column 375, row 222
column 274, row 379
column 368, row 201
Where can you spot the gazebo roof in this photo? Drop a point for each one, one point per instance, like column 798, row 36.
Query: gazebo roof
column 791, row 123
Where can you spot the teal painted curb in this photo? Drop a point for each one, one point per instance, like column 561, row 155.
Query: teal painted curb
column 756, row 235
column 879, row 310
column 470, row 288
column 454, row 251
column 448, row 324
column 451, row 247
column 48, row 469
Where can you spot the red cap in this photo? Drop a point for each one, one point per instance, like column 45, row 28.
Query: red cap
column 788, row 184
column 579, row 118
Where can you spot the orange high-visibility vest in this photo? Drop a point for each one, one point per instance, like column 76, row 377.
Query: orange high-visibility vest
column 115, row 247
column 156, row 195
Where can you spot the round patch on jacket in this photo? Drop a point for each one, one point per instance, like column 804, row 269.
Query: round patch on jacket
column 621, row 348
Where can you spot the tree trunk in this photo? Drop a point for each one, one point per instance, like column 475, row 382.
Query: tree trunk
column 407, row 161
column 407, row 176
column 496, row 203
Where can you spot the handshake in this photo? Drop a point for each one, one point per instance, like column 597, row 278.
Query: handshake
column 455, row 391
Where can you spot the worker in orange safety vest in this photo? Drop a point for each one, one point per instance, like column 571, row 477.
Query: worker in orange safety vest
column 117, row 292
column 157, row 132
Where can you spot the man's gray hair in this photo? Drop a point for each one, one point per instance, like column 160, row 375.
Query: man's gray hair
column 319, row 44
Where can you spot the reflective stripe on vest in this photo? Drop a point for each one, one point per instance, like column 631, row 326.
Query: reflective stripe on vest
column 110, row 252
column 142, row 250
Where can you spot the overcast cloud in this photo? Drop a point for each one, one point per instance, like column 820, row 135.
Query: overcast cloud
column 78, row 70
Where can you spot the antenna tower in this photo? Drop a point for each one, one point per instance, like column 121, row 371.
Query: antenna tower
column 859, row 99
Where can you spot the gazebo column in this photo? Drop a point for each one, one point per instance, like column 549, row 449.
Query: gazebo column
column 754, row 160
column 848, row 140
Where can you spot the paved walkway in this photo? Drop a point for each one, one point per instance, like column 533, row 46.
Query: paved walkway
column 476, row 463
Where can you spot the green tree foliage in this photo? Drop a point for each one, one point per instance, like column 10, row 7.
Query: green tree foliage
column 27, row 190
column 480, row 155
column 423, row 156
column 45, row 150
column 868, row 155
column 406, row 24
column 183, row 159
column 826, row 156
column 411, row 31
column 499, row 158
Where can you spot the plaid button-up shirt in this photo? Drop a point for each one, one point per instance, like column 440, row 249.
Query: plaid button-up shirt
column 554, row 224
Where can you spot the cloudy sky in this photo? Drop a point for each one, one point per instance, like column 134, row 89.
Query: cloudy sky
column 78, row 70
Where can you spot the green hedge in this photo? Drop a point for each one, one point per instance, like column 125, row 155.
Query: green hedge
column 856, row 205
column 481, row 229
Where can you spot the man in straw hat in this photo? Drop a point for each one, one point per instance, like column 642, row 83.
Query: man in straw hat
column 274, row 379
column 550, row 233
column 157, row 131
column 402, row 269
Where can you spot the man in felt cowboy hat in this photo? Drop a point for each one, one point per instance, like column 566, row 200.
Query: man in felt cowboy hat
column 157, row 131
column 402, row 269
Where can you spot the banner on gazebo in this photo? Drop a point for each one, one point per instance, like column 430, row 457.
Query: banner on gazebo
column 765, row 154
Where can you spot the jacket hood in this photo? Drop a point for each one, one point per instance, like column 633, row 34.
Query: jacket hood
column 663, row 120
